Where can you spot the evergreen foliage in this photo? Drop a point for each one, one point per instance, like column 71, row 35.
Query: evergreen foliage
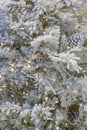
column 43, row 65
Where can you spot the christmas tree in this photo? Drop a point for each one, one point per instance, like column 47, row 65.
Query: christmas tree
column 43, row 65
